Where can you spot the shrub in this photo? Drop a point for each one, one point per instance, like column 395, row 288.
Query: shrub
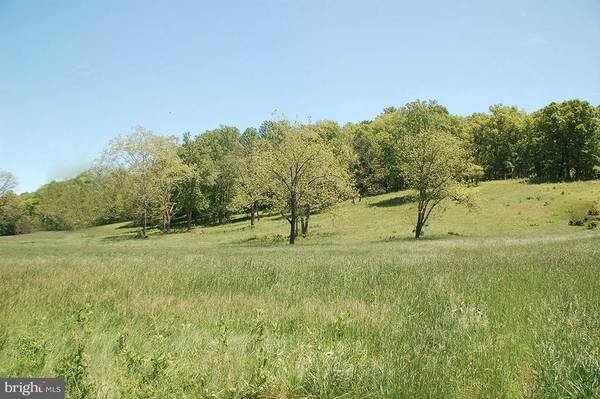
column 73, row 366
column 29, row 356
column 594, row 210
column 574, row 221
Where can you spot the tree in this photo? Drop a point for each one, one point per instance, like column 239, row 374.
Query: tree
column 419, row 116
column 339, row 140
column 499, row 140
column 251, row 192
column 202, row 169
column 380, row 138
column 169, row 170
column 249, row 138
column 273, row 130
column 302, row 173
column 7, row 182
column 151, row 169
column 566, row 142
column 224, row 148
column 384, row 131
column 13, row 216
column 70, row 204
column 368, row 168
column 435, row 165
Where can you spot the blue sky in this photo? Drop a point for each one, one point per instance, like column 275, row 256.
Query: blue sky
column 73, row 74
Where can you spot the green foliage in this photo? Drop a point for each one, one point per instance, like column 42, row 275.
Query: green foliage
column 252, row 194
column 148, row 168
column 224, row 149
column 191, row 192
column 7, row 182
column 434, row 165
column 566, row 140
column 28, row 354
column 13, row 215
column 302, row 175
column 214, row 177
column 500, row 142
column 273, row 130
column 72, row 203
column 369, row 169
column 509, row 308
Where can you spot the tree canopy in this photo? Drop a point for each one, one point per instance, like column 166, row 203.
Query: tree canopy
column 7, row 182
column 297, row 169
column 302, row 175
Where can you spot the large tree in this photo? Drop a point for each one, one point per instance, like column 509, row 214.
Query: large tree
column 499, row 141
column 191, row 191
column 251, row 192
column 7, row 182
column 71, row 204
column 302, row 174
column 149, row 168
column 224, row 148
column 14, row 218
column 368, row 169
column 436, row 166
column 566, row 140
column 169, row 172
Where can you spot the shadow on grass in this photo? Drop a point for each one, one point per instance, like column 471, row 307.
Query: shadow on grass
column 548, row 180
column 395, row 201
column 122, row 237
column 281, row 239
column 261, row 241
column 411, row 238
column 183, row 229
column 129, row 225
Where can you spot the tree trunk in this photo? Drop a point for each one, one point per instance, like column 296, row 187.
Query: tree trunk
column 253, row 214
column 305, row 227
column 304, row 222
column 419, row 226
column 189, row 218
column 293, row 218
column 420, row 221
column 145, row 223
column 292, row 229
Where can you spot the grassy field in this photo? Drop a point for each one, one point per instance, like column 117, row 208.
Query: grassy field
column 502, row 301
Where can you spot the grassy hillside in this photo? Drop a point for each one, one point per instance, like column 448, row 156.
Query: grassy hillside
column 509, row 307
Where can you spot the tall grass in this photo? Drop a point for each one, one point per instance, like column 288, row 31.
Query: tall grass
column 233, row 312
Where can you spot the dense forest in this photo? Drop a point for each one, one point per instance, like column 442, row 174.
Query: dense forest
column 295, row 169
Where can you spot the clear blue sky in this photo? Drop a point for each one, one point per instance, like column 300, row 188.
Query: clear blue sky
column 73, row 74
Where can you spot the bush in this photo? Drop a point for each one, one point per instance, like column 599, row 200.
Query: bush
column 73, row 366
column 576, row 221
column 594, row 210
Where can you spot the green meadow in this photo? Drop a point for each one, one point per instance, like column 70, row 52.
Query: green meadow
column 501, row 301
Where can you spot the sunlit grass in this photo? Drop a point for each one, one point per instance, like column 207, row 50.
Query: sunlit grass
column 509, row 307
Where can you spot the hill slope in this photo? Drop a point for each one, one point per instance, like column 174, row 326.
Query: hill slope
column 511, row 308
column 503, row 209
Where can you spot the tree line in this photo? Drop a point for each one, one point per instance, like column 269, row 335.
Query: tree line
column 298, row 169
